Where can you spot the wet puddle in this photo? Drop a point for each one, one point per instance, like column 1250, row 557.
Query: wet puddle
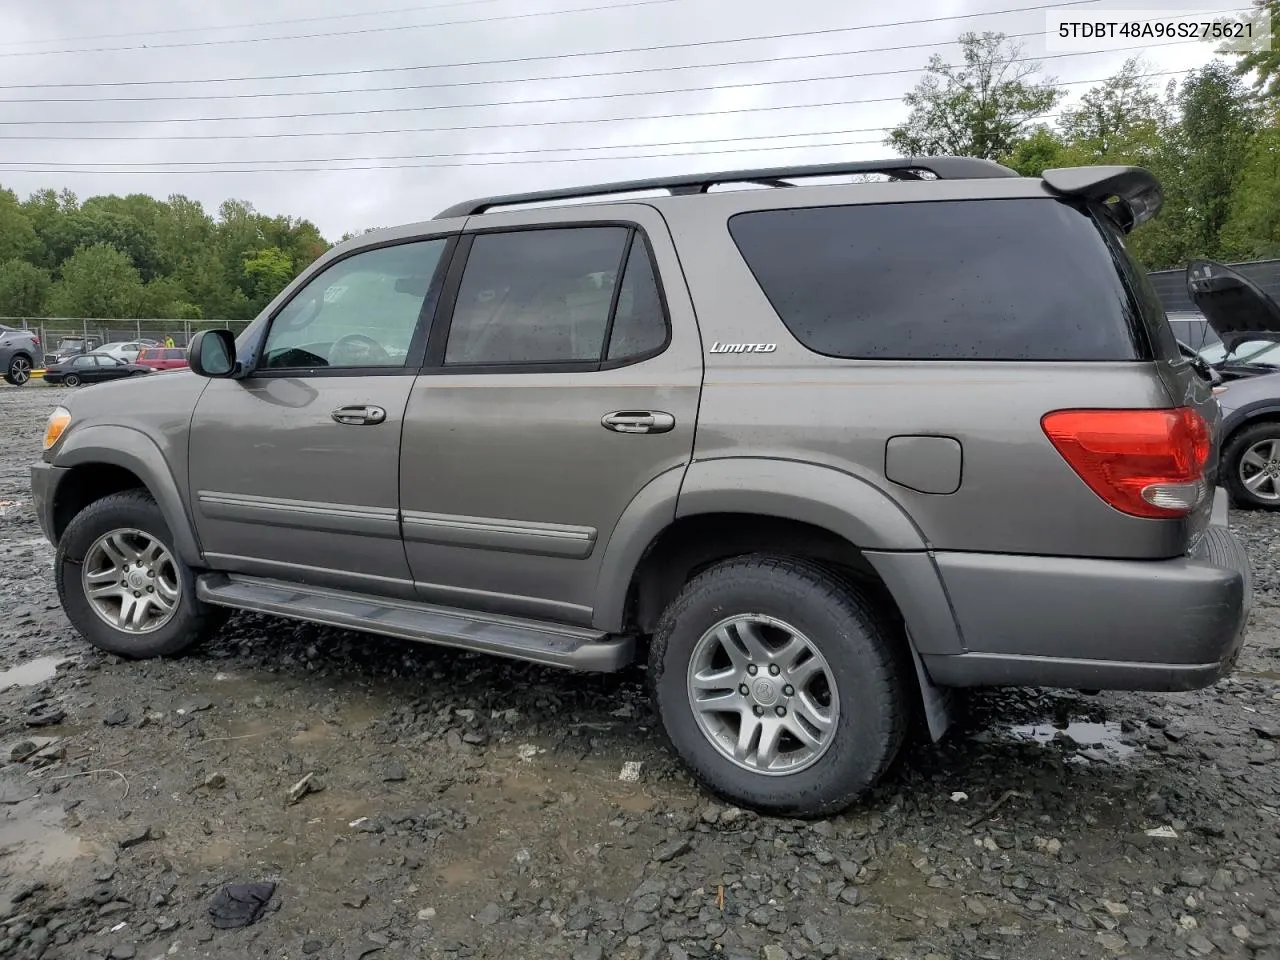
column 34, row 838
column 30, row 673
column 1102, row 741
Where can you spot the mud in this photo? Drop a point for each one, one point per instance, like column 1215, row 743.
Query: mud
column 463, row 806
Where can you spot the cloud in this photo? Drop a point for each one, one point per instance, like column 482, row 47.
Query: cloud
column 480, row 161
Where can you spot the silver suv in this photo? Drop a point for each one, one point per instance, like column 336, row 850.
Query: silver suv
column 814, row 453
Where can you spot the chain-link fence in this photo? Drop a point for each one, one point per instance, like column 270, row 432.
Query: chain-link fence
column 61, row 336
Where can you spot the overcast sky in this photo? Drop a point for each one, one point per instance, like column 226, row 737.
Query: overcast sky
column 52, row 50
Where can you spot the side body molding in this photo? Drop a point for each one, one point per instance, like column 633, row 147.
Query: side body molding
column 136, row 452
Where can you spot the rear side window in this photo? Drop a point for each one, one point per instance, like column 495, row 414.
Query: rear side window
column 1016, row 279
column 583, row 295
column 173, row 354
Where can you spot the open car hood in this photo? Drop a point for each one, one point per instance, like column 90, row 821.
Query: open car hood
column 1235, row 306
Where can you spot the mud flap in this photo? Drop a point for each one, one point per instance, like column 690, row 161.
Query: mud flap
column 937, row 701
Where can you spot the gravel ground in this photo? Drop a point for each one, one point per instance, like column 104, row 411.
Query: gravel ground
column 463, row 806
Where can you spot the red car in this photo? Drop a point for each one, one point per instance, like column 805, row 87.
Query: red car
column 162, row 358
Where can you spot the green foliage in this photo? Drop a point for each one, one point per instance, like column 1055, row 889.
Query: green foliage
column 979, row 108
column 139, row 256
column 97, row 281
column 1263, row 65
column 17, row 234
column 23, row 288
column 266, row 272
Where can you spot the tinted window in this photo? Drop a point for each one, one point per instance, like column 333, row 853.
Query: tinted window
column 640, row 323
column 977, row 280
column 84, row 362
column 1149, row 306
column 536, row 296
column 174, row 354
column 360, row 312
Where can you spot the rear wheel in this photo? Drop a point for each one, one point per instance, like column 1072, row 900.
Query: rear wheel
column 779, row 686
column 122, row 584
column 71, row 380
column 19, row 370
column 1251, row 466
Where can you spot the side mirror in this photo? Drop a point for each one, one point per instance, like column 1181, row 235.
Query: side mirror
column 212, row 353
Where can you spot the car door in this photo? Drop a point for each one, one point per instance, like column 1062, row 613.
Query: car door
column 295, row 467
column 85, row 367
column 565, row 381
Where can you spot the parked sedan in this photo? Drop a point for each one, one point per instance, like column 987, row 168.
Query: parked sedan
column 92, row 368
column 126, row 350
column 163, row 358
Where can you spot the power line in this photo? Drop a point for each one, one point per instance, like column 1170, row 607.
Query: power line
column 575, row 76
column 419, row 8
column 208, row 168
column 370, row 111
column 565, row 56
column 331, row 33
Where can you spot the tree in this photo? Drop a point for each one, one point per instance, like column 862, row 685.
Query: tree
column 1252, row 229
column 1263, row 64
column 1041, row 149
column 18, row 238
column 97, row 281
column 23, row 287
column 1119, row 121
column 979, row 108
column 1209, row 145
column 267, row 272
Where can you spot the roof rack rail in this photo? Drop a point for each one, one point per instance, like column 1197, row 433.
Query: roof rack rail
column 901, row 168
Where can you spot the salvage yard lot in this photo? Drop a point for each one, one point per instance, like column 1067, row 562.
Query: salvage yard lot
column 463, row 806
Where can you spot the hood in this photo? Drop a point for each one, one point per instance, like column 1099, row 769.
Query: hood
column 1235, row 306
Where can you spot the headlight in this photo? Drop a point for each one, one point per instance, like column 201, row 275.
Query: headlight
column 59, row 420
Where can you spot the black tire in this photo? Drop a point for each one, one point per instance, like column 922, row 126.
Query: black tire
column 18, row 373
column 194, row 620
column 858, row 644
column 1233, row 452
column 71, row 380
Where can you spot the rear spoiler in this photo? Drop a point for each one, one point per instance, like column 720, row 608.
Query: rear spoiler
column 1130, row 195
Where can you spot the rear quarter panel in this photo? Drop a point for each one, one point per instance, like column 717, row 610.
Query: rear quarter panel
column 1017, row 494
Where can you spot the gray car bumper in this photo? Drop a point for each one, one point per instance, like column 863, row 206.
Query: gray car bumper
column 1099, row 624
column 44, row 481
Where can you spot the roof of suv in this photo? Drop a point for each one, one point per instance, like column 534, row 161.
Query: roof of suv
column 1131, row 192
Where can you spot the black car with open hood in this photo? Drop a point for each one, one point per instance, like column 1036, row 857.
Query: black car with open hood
column 1237, row 308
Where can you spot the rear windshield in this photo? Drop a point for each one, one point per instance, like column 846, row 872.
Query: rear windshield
column 1020, row 279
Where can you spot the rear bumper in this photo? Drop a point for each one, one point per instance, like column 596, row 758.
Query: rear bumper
column 1099, row 624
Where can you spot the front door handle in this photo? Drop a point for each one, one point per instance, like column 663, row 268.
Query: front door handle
column 359, row 415
column 638, row 421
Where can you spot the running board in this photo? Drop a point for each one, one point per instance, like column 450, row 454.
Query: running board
column 556, row 645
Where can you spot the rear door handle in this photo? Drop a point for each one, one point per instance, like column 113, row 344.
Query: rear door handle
column 359, row 415
column 638, row 421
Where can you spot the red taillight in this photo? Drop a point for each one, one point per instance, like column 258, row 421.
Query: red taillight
column 36, row 341
column 1146, row 463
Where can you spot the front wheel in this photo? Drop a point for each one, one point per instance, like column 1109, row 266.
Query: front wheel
column 71, row 380
column 19, row 371
column 122, row 584
column 1251, row 464
column 779, row 685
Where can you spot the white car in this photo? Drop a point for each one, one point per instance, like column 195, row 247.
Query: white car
column 124, row 350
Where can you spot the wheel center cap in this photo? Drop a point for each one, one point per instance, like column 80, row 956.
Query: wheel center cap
column 765, row 691
column 137, row 579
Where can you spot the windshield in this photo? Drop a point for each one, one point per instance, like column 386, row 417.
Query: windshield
column 1264, row 353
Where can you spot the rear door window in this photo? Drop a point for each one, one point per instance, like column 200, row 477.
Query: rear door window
column 1017, row 279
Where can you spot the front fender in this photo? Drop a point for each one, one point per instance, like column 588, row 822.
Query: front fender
column 134, row 451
